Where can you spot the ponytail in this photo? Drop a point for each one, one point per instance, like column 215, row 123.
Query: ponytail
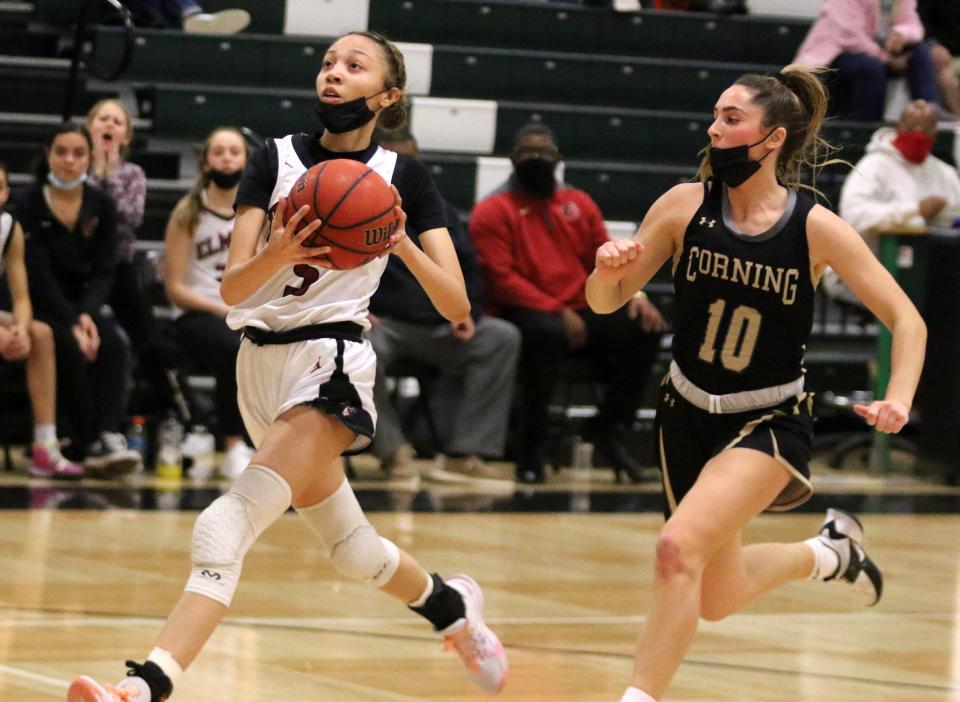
column 796, row 100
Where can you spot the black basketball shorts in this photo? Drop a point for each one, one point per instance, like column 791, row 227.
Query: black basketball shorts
column 689, row 437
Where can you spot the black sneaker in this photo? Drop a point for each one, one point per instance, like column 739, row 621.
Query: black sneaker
column 108, row 457
column 843, row 533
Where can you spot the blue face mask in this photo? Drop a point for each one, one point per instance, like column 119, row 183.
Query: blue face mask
column 61, row 184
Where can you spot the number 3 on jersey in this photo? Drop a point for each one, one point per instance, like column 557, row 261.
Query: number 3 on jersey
column 310, row 276
column 739, row 341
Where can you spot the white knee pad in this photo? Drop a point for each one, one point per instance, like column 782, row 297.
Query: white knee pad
column 352, row 544
column 226, row 530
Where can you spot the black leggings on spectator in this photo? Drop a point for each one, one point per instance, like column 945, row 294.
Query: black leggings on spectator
column 128, row 300
column 92, row 397
column 621, row 349
column 212, row 347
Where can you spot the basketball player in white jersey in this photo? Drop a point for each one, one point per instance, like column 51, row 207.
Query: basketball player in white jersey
column 197, row 241
column 306, row 376
column 23, row 338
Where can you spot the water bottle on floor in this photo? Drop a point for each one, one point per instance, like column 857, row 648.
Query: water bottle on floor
column 582, row 460
column 137, row 439
column 169, row 453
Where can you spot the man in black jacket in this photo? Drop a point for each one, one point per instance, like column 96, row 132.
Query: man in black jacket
column 482, row 351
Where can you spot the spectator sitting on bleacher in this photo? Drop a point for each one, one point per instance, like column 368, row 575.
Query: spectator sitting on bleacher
column 111, row 129
column 23, row 338
column 941, row 20
column 197, row 242
column 867, row 41
column 187, row 14
column 898, row 183
column 536, row 240
column 483, row 350
column 71, row 243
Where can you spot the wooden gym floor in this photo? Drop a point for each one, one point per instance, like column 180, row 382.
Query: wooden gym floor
column 88, row 572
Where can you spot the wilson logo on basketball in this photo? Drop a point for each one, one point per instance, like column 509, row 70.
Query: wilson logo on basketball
column 374, row 236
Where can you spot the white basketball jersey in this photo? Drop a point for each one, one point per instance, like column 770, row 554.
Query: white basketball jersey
column 6, row 231
column 208, row 254
column 288, row 299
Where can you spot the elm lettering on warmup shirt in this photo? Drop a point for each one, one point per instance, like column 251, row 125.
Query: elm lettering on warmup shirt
column 208, row 253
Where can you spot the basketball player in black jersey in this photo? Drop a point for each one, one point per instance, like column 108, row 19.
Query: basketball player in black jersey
column 734, row 423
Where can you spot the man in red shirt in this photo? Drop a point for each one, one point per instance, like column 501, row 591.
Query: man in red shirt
column 536, row 240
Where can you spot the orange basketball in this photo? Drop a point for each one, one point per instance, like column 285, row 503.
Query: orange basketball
column 354, row 204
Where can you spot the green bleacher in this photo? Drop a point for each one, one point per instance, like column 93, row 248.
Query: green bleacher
column 590, row 30
column 629, row 94
column 462, row 72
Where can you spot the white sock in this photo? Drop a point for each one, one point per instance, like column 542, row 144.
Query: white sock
column 167, row 664
column 422, row 600
column 635, row 694
column 45, row 434
column 826, row 561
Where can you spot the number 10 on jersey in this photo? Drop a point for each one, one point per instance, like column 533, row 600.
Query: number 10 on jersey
column 740, row 340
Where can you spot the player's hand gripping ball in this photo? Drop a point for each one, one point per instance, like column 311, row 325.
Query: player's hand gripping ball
column 356, row 208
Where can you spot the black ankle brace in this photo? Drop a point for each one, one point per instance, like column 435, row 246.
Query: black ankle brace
column 158, row 682
column 443, row 607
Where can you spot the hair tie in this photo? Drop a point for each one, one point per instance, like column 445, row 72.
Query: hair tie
column 782, row 79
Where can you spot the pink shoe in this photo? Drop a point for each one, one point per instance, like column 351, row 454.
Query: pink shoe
column 479, row 648
column 48, row 462
column 85, row 689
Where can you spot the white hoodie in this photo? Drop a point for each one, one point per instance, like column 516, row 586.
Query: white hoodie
column 884, row 189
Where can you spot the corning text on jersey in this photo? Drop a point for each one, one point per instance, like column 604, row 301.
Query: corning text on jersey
column 760, row 276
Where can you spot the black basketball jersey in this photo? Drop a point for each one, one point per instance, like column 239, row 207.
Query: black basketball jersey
column 744, row 304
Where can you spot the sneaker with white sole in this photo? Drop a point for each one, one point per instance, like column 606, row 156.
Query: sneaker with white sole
column 842, row 533
column 478, row 647
column 146, row 677
column 467, row 470
column 46, row 461
column 235, row 460
column 223, row 22
column 109, row 457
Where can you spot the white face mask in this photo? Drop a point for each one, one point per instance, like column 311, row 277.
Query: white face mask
column 61, row 184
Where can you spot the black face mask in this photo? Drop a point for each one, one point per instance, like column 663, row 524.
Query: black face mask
column 341, row 117
column 733, row 166
column 535, row 175
column 225, row 180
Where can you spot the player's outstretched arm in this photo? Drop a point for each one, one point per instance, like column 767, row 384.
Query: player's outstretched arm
column 835, row 243
column 623, row 267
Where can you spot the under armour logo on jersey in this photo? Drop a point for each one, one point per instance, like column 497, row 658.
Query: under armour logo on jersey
column 708, row 222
